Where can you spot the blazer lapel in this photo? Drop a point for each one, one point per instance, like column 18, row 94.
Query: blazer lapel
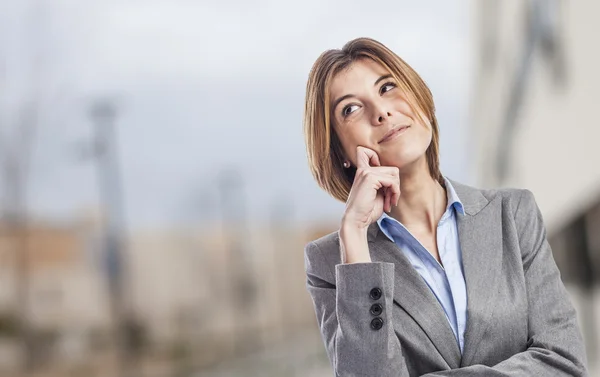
column 414, row 296
column 480, row 235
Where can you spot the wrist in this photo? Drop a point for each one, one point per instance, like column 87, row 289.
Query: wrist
column 353, row 226
column 352, row 231
column 354, row 246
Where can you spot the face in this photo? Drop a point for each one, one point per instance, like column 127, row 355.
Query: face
column 369, row 110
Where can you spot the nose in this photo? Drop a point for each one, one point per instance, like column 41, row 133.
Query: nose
column 381, row 112
column 381, row 116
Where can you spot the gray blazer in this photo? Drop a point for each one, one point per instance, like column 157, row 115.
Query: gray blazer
column 520, row 320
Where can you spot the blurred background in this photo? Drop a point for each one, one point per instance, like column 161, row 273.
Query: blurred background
column 155, row 197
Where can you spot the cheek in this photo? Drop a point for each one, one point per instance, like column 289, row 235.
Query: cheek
column 428, row 132
column 348, row 141
column 403, row 107
column 355, row 133
column 425, row 136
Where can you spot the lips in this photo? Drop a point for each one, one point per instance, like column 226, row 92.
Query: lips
column 391, row 133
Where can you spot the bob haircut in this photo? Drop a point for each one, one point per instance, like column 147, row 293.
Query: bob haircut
column 324, row 149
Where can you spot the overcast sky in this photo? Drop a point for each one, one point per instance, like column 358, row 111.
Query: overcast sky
column 203, row 86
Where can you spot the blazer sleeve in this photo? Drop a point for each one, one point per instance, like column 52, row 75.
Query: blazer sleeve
column 355, row 315
column 555, row 344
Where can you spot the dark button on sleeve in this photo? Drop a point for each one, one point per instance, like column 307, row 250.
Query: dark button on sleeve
column 375, row 293
column 376, row 309
column 377, row 323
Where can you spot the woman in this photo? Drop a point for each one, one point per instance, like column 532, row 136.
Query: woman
column 426, row 276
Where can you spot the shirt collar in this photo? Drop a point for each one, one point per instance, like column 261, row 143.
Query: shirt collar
column 453, row 201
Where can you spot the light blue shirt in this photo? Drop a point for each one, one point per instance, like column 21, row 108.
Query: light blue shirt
column 447, row 282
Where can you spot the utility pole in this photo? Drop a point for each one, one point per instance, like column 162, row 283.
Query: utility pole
column 103, row 114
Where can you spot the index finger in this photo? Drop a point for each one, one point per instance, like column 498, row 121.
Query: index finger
column 366, row 157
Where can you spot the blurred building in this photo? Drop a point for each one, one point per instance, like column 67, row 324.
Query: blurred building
column 66, row 304
column 534, row 126
column 195, row 303
column 191, row 289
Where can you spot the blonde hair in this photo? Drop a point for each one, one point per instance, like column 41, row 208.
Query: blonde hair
column 324, row 149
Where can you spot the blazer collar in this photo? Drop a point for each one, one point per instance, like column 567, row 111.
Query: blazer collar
column 471, row 197
column 480, row 236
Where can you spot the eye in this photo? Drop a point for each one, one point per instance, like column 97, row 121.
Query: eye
column 387, row 87
column 346, row 110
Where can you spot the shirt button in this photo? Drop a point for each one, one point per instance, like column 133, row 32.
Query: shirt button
column 377, row 323
column 375, row 293
column 376, row 309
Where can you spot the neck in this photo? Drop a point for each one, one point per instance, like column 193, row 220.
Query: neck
column 422, row 201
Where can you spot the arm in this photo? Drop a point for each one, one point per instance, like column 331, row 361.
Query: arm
column 555, row 342
column 353, row 346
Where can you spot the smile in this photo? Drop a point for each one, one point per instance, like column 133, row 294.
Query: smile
column 394, row 134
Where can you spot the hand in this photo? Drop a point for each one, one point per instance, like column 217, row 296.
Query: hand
column 375, row 189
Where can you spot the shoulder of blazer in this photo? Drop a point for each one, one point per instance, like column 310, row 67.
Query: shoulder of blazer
column 478, row 198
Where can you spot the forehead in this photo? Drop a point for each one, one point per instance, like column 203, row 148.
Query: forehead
column 360, row 74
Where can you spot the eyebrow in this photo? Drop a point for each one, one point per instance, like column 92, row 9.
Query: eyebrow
column 337, row 101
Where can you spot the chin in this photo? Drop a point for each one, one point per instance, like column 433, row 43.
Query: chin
column 403, row 160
